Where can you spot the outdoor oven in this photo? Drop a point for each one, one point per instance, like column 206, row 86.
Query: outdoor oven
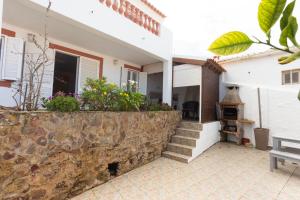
column 232, row 113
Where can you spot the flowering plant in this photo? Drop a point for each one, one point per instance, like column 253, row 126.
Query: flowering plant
column 100, row 95
column 61, row 102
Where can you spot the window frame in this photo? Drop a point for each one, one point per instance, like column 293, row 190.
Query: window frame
column 130, row 73
column 290, row 72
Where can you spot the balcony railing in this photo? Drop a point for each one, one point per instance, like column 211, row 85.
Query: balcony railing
column 134, row 14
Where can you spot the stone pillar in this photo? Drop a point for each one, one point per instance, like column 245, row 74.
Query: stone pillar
column 167, row 81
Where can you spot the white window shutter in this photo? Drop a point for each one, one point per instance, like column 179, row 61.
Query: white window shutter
column 88, row 68
column 143, row 78
column 12, row 58
column 124, row 77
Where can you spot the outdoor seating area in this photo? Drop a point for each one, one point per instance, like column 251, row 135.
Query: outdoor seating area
column 225, row 171
column 280, row 153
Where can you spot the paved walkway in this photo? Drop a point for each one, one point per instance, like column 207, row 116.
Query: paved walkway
column 224, row 172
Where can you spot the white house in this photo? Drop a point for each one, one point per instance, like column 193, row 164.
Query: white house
column 92, row 38
column 279, row 86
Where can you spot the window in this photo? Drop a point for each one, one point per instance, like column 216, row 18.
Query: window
column 132, row 80
column 291, row 77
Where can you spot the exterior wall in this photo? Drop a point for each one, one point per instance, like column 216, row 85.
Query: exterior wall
column 280, row 106
column 187, row 75
column 209, row 136
column 106, row 21
column 59, row 155
column 1, row 12
column 153, row 68
column 110, row 70
column 263, row 71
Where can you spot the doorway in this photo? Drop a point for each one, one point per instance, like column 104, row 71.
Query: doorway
column 187, row 99
column 65, row 73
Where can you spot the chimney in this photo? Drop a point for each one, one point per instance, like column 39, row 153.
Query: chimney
column 232, row 96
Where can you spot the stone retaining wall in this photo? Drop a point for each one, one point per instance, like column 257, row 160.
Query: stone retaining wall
column 46, row 155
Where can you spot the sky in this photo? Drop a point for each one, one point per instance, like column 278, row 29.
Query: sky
column 197, row 23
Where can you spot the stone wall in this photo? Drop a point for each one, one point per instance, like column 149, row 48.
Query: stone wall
column 46, row 155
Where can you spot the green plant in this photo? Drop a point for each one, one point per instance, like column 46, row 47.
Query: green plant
column 129, row 101
column 149, row 106
column 269, row 12
column 100, row 95
column 61, row 103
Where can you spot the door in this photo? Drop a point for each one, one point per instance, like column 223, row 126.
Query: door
column 88, row 68
column 65, row 73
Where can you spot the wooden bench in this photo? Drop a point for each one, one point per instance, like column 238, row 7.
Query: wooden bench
column 274, row 155
column 283, row 154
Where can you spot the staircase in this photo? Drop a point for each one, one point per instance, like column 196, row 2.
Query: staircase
column 184, row 142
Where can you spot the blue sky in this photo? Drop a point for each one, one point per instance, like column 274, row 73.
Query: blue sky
column 196, row 23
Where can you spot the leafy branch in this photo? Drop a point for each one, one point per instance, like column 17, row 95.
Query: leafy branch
column 269, row 12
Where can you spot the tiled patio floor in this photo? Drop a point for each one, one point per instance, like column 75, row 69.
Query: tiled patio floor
column 225, row 171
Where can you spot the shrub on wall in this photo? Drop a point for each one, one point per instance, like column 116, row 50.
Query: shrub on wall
column 102, row 96
column 61, row 103
column 149, row 106
column 98, row 95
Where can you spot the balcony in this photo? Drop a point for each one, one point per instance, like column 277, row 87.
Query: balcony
column 136, row 15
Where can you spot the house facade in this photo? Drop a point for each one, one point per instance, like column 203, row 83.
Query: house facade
column 279, row 86
column 87, row 39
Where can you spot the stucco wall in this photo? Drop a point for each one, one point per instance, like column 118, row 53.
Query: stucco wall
column 110, row 70
column 280, row 106
column 106, row 21
column 187, row 75
column 59, row 155
column 209, row 136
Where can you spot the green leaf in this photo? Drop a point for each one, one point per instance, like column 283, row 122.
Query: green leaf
column 288, row 59
column 231, row 43
column 286, row 14
column 269, row 12
column 289, row 32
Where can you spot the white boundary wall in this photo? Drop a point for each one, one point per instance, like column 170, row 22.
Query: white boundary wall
column 280, row 106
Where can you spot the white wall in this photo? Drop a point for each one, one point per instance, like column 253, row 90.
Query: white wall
column 110, row 70
column 259, row 70
column 153, row 68
column 1, row 12
column 117, row 27
column 280, row 106
column 208, row 137
column 187, row 75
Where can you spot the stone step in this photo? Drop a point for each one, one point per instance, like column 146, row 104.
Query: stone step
column 188, row 133
column 191, row 125
column 176, row 156
column 184, row 140
column 180, row 149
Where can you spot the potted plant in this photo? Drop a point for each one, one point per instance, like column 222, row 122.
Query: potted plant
column 261, row 134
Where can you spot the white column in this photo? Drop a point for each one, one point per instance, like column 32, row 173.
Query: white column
column 167, row 81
